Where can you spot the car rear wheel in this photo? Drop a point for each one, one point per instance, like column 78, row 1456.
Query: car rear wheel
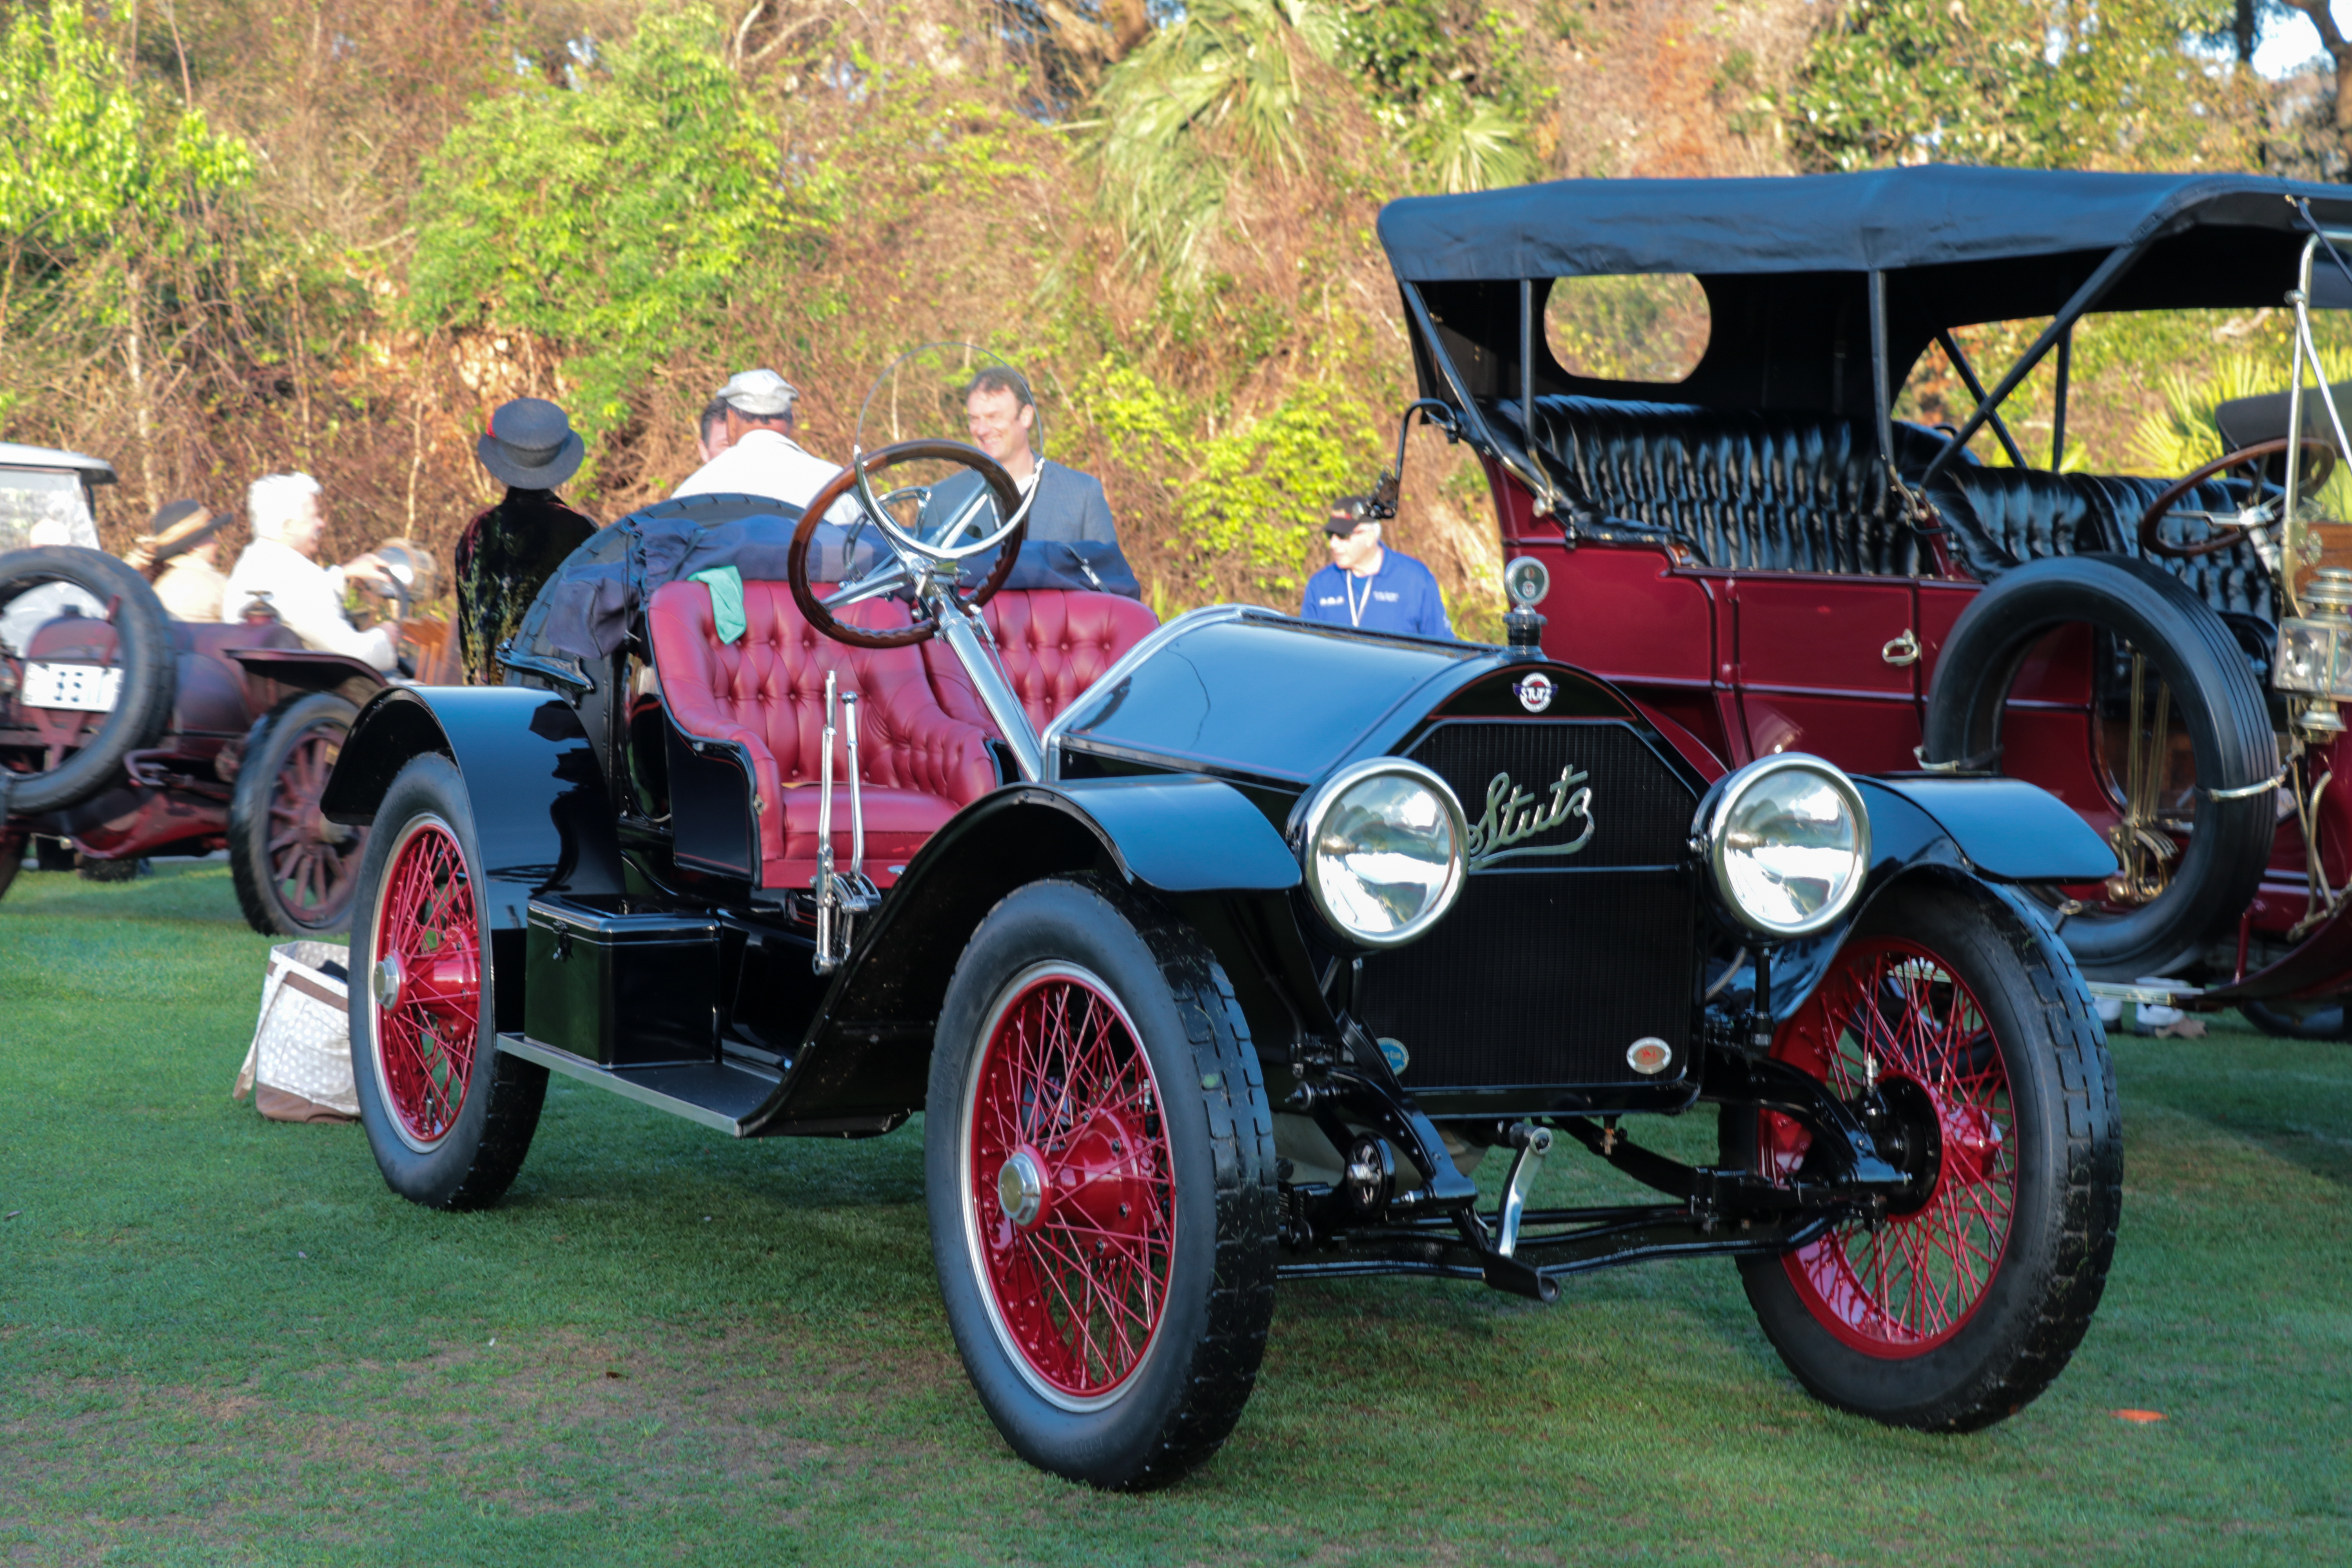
column 1956, row 1029
column 449, row 1116
column 294, row 871
column 1101, row 1167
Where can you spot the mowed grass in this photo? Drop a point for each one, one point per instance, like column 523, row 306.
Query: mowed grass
column 224, row 1340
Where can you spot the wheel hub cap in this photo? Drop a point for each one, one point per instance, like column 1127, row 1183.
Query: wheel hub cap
column 1020, row 1189
column 387, row 981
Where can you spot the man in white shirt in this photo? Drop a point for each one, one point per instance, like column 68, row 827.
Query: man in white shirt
column 282, row 562
column 761, row 457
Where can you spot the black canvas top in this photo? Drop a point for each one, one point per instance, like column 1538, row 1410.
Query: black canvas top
column 1884, row 220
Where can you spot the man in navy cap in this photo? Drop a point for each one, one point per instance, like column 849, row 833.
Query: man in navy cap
column 1369, row 586
column 506, row 555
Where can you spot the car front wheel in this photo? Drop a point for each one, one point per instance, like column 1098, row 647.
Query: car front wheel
column 1100, row 1169
column 449, row 1116
column 1954, row 1025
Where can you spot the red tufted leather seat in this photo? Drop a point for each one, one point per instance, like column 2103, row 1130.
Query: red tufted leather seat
column 767, row 692
column 1056, row 643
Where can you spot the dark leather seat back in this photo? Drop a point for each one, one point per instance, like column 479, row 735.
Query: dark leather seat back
column 2001, row 518
column 1747, row 491
column 1794, row 492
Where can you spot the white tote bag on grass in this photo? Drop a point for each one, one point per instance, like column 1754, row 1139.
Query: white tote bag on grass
column 300, row 1067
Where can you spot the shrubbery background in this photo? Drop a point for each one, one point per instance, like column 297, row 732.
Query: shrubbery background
column 238, row 235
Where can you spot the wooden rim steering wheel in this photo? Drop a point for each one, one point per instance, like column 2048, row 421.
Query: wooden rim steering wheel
column 2227, row 534
column 913, row 560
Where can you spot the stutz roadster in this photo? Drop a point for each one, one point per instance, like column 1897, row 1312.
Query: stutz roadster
column 1223, row 951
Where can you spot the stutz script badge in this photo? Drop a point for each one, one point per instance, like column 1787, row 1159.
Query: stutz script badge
column 1513, row 817
column 1534, row 692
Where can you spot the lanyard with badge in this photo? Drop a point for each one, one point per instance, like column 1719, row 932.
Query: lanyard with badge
column 1355, row 610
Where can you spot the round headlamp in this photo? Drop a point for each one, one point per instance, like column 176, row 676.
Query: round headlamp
column 1788, row 840
column 1383, row 850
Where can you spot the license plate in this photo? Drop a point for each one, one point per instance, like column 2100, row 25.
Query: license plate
column 92, row 687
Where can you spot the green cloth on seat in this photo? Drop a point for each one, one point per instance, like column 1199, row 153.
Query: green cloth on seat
column 726, row 585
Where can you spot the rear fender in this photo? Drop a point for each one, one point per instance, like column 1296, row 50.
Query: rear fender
column 541, row 818
column 1196, row 842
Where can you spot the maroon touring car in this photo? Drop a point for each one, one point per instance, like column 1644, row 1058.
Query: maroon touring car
column 1763, row 552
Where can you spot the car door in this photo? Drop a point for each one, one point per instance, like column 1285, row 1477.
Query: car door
column 1829, row 665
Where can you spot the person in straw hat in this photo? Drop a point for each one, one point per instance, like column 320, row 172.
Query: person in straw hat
column 180, row 553
column 506, row 555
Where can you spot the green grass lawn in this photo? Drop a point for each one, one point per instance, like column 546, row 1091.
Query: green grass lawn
column 223, row 1339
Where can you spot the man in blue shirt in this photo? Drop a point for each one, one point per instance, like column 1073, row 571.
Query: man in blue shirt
column 1371, row 587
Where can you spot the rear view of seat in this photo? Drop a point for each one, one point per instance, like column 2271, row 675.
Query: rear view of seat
column 766, row 691
column 1055, row 644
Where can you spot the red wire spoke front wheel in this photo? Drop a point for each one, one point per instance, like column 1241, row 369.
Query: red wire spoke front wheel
column 1892, row 1020
column 1070, row 1204
column 426, row 982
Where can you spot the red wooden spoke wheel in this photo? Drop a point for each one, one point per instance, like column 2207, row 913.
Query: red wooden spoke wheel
column 428, row 983
column 1068, row 1182
column 1893, row 1019
column 312, row 875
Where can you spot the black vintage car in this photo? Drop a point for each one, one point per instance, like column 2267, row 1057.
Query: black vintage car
column 1220, row 952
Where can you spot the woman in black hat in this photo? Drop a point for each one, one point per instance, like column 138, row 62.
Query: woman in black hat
column 506, row 555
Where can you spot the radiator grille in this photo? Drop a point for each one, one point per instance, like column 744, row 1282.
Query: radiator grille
column 1550, row 966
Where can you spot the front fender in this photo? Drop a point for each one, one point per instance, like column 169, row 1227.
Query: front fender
column 1990, row 830
column 1191, row 839
column 541, row 818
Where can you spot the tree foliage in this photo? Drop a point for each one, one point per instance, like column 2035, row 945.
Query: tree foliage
column 2031, row 83
column 614, row 219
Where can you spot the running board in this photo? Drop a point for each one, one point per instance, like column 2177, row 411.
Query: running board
column 2159, row 995
column 721, row 1095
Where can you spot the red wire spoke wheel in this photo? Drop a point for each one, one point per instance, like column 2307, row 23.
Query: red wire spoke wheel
column 1074, row 1211
column 1100, row 1168
column 1892, row 1018
column 1956, row 1030
column 428, row 983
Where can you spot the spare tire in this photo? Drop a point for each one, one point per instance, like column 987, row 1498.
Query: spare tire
column 54, row 766
column 2220, row 707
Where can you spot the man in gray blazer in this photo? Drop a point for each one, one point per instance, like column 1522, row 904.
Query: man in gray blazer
column 1002, row 417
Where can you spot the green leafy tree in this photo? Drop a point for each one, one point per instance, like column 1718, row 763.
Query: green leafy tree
column 616, row 219
column 101, row 185
column 2030, row 83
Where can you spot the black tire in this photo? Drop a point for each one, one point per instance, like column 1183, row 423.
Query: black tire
column 1893, row 1357
column 1179, row 1394
column 2324, row 1021
column 2221, row 705
column 302, row 887
column 12, row 856
column 431, row 1153
column 143, row 650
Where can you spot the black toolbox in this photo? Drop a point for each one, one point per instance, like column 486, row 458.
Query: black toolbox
column 623, row 981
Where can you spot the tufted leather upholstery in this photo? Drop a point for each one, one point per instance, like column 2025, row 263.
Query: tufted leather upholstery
column 1803, row 494
column 1055, row 645
column 1749, row 490
column 766, row 691
column 2003, row 518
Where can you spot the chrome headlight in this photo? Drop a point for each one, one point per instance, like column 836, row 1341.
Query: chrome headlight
column 1383, row 850
column 1788, row 840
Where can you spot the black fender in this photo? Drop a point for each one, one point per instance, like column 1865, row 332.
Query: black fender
column 1985, row 830
column 1197, row 842
column 542, row 816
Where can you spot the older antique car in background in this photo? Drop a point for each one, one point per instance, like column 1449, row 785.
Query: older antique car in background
column 1762, row 552
column 127, row 734
column 1220, row 952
